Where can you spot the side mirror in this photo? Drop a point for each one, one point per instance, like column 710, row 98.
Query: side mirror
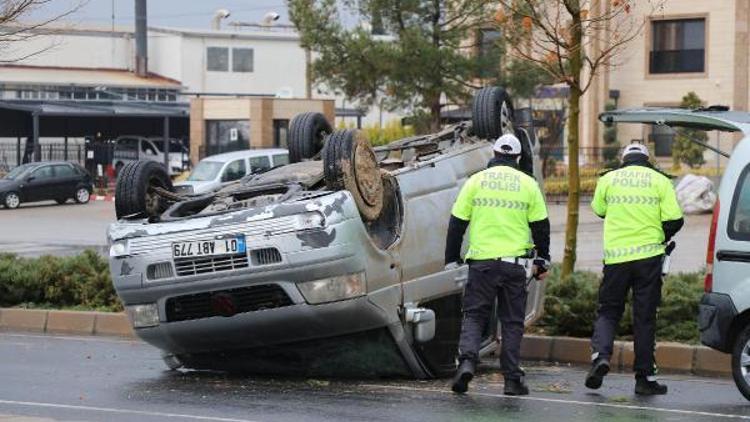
column 423, row 321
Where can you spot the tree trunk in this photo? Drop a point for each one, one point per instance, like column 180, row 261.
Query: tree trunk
column 574, row 179
column 574, row 183
column 435, row 114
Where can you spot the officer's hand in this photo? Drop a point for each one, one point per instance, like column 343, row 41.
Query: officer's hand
column 451, row 266
column 540, row 269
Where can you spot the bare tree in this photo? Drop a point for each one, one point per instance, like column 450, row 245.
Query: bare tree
column 16, row 25
column 572, row 40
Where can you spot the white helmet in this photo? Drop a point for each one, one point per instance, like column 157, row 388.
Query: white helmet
column 635, row 148
column 507, row 145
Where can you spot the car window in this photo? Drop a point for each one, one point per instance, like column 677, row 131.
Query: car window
column 20, row 171
column 147, row 148
column 280, row 159
column 739, row 216
column 43, row 173
column 63, row 170
column 258, row 164
column 234, row 171
column 205, row 171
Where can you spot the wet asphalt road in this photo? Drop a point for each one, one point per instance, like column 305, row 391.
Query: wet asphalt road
column 46, row 378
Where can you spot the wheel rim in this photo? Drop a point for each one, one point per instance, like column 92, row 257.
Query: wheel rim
column 367, row 175
column 82, row 195
column 12, row 200
column 506, row 122
column 745, row 361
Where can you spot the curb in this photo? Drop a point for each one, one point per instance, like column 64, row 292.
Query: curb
column 674, row 357
column 66, row 322
column 107, row 198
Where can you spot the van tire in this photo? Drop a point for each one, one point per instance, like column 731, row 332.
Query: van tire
column 492, row 113
column 134, row 195
column 349, row 163
column 741, row 344
column 307, row 133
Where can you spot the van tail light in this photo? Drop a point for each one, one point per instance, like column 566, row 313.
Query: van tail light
column 708, row 283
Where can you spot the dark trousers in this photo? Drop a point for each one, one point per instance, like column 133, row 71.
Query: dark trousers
column 644, row 277
column 506, row 282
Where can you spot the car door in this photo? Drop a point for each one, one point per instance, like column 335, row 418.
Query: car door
column 38, row 185
column 65, row 181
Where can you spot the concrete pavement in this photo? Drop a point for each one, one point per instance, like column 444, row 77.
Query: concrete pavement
column 97, row 379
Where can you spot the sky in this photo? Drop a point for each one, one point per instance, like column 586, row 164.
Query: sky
column 194, row 14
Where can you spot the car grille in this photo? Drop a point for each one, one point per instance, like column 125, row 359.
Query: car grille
column 265, row 256
column 162, row 242
column 159, row 271
column 244, row 299
column 211, row 264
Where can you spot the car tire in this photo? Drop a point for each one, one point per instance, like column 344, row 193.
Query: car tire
column 740, row 372
column 492, row 113
column 12, row 200
column 307, row 134
column 61, row 201
column 349, row 163
column 82, row 195
column 134, row 191
column 118, row 168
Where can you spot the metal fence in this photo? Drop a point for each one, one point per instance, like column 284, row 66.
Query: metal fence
column 15, row 154
column 555, row 159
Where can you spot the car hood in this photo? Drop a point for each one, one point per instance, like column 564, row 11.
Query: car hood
column 6, row 184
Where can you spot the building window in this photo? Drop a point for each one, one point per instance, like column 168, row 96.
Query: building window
column 227, row 136
column 280, row 133
column 242, row 59
column 217, row 59
column 678, row 46
column 490, row 53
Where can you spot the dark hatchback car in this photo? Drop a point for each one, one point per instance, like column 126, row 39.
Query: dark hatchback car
column 52, row 180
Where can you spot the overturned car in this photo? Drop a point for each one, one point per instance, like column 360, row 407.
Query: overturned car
column 331, row 265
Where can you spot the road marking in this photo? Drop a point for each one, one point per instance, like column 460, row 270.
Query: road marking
column 92, row 339
column 121, row 411
column 569, row 402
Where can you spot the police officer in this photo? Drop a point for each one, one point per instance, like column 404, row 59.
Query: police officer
column 503, row 208
column 641, row 214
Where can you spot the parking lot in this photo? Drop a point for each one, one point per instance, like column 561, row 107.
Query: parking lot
column 70, row 228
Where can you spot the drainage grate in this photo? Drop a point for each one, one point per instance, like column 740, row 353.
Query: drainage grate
column 265, row 256
column 241, row 300
column 159, row 270
column 211, row 264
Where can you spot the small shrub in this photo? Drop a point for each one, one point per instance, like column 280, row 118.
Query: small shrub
column 81, row 282
column 570, row 307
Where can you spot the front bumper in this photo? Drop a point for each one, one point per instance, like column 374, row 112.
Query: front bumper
column 716, row 312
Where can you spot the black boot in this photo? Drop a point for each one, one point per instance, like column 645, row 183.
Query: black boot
column 644, row 387
column 463, row 376
column 515, row 387
column 599, row 369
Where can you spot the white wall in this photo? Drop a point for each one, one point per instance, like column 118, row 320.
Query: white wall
column 164, row 55
column 92, row 51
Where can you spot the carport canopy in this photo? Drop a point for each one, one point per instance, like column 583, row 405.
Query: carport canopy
column 104, row 119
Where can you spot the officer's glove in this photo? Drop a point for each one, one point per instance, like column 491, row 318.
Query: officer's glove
column 451, row 266
column 540, row 269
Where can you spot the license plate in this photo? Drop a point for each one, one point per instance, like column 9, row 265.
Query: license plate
column 228, row 246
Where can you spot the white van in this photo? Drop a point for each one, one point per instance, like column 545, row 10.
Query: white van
column 134, row 148
column 216, row 171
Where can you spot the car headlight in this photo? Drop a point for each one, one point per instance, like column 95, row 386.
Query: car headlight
column 334, row 288
column 143, row 316
column 119, row 249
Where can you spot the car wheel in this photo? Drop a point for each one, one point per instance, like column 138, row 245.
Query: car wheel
column 12, row 200
column 349, row 163
column 741, row 362
column 307, row 133
column 82, row 195
column 61, row 201
column 492, row 113
column 136, row 190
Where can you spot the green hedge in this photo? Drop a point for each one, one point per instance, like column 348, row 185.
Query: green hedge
column 75, row 282
column 570, row 307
